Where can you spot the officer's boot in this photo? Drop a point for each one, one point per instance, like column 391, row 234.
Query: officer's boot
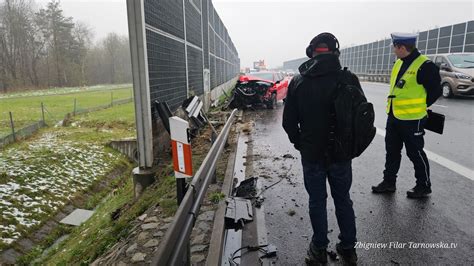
column 385, row 186
column 419, row 191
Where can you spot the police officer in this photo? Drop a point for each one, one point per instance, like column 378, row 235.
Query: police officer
column 415, row 84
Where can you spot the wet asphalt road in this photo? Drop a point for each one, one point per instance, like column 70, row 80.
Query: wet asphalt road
column 447, row 216
column 457, row 141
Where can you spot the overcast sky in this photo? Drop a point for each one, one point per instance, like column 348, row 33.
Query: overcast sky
column 277, row 31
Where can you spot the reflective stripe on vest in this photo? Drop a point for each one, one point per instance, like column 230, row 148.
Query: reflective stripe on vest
column 409, row 102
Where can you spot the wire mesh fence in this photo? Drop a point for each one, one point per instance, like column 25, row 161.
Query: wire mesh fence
column 22, row 122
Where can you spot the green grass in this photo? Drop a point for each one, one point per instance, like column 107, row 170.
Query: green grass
column 36, row 252
column 117, row 117
column 27, row 109
column 215, row 197
column 80, row 148
column 100, row 232
column 221, row 100
column 62, row 90
column 49, row 171
column 117, row 122
column 95, row 237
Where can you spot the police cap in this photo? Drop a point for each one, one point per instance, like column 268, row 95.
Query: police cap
column 403, row 38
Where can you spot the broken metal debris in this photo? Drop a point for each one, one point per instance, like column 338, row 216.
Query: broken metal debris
column 247, row 188
column 270, row 251
column 238, row 212
column 258, row 202
column 193, row 109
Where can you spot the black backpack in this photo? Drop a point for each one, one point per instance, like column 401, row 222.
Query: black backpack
column 354, row 120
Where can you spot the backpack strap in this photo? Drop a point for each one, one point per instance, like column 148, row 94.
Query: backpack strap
column 294, row 84
column 343, row 77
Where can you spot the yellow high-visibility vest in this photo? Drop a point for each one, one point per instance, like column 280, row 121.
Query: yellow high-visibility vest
column 409, row 102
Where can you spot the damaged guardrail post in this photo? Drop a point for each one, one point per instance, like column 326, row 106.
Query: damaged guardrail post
column 172, row 249
column 182, row 163
column 182, row 156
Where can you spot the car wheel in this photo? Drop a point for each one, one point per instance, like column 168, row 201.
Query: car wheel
column 447, row 91
column 272, row 103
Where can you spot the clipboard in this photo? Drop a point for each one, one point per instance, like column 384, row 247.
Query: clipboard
column 435, row 122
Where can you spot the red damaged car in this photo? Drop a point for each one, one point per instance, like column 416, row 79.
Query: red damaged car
column 259, row 88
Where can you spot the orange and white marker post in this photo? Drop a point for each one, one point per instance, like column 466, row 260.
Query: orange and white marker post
column 182, row 156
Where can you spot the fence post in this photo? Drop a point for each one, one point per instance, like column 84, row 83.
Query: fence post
column 75, row 102
column 42, row 113
column 111, row 98
column 13, row 126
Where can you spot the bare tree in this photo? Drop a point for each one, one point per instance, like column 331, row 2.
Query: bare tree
column 83, row 36
column 112, row 47
column 57, row 30
column 16, row 38
column 42, row 47
column 37, row 51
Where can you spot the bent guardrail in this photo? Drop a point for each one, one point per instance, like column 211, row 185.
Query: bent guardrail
column 173, row 250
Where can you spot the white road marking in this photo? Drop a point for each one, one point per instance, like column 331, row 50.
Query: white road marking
column 438, row 105
column 455, row 167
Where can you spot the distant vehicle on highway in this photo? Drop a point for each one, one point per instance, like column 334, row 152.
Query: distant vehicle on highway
column 290, row 72
column 457, row 73
column 260, row 88
column 253, row 70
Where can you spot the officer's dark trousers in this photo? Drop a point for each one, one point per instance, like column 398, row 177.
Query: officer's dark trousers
column 339, row 176
column 410, row 133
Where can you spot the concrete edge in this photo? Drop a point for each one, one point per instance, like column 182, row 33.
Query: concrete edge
column 214, row 254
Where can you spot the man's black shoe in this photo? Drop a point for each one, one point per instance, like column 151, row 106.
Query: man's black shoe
column 384, row 187
column 419, row 192
column 348, row 255
column 316, row 256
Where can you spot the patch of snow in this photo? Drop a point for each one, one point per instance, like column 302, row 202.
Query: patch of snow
column 39, row 184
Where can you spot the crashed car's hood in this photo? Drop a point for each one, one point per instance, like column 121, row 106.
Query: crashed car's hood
column 247, row 78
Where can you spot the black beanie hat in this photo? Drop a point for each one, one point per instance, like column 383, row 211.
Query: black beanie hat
column 323, row 38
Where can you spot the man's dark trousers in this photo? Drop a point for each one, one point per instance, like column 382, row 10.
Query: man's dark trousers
column 410, row 133
column 339, row 176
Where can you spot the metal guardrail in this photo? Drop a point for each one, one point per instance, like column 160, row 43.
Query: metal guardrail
column 174, row 247
column 374, row 77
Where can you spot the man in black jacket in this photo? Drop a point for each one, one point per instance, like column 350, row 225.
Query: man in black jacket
column 309, row 121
